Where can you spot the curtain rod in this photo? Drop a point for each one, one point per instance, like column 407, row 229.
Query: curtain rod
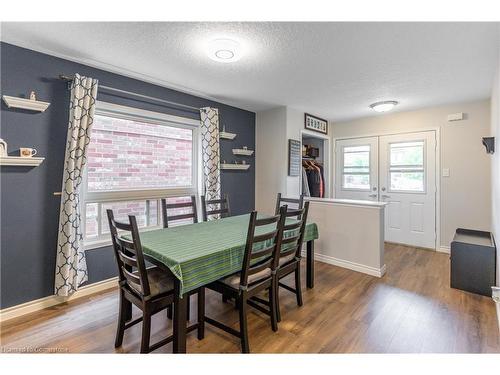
column 188, row 107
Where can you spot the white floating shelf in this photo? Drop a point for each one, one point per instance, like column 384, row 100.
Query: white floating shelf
column 226, row 135
column 19, row 161
column 32, row 105
column 242, row 151
column 241, row 167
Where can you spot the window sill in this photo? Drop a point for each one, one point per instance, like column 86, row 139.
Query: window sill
column 105, row 242
column 96, row 244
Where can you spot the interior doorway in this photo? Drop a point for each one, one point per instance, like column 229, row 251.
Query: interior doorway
column 315, row 177
column 397, row 169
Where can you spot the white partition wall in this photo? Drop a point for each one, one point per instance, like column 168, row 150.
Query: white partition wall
column 351, row 234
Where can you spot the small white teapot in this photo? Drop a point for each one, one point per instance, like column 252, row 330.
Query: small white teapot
column 3, row 147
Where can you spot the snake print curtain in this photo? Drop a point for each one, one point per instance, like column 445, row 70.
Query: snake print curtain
column 71, row 266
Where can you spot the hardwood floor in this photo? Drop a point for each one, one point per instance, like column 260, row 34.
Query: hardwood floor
column 411, row 309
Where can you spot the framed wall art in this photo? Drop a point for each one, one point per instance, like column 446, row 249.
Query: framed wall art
column 315, row 124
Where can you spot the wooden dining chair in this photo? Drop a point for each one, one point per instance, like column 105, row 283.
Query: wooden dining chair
column 221, row 207
column 297, row 203
column 257, row 274
column 150, row 289
column 169, row 218
column 291, row 254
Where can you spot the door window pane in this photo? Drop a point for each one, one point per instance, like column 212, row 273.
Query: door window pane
column 406, row 169
column 356, row 167
column 358, row 181
column 407, row 154
column 407, row 181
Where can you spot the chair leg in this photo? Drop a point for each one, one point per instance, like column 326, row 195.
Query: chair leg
column 121, row 321
column 277, row 299
column 127, row 310
column 242, row 307
column 224, row 298
column 169, row 312
column 201, row 313
column 188, row 307
column 146, row 331
column 272, row 304
column 298, row 289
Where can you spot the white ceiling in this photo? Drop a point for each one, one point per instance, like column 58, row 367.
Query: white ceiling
column 333, row 70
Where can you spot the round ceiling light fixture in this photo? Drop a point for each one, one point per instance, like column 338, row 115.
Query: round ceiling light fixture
column 224, row 50
column 384, row 106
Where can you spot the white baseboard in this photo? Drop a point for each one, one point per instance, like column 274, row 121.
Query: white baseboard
column 43, row 303
column 372, row 271
column 443, row 249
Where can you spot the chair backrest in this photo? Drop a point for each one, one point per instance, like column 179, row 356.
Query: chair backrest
column 221, row 207
column 129, row 255
column 298, row 202
column 165, row 207
column 293, row 233
column 262, row 250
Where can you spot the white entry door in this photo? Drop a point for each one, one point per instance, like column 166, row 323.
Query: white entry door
column 408, row 185
column 399, row 170
column 357, row 166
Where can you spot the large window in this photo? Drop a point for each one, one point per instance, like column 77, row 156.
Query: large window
column 407, row 166
column 356, row 168
column 135, row 158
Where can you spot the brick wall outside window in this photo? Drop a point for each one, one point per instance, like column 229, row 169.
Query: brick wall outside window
column 128, row 155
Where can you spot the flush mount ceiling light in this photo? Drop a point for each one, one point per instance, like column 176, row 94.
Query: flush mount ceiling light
column 224, row 50
column 384, row 106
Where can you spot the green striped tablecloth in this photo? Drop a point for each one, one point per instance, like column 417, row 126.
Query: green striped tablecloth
column 200, row 253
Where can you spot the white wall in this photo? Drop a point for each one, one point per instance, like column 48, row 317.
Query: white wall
column 339, row 242
column 294, row 126
column 466, row 194
column 273, row 129
column 271, row 162
column 495, row 165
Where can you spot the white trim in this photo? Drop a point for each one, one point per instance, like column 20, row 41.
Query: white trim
column 347, row 202
column 313, row 134
column 372, row 271
column 137, row 195
column 43, row 303
column 437, row 133
column 443, row 249
column 327, row 160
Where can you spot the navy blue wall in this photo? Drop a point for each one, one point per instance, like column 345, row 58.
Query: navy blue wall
column 29, row 211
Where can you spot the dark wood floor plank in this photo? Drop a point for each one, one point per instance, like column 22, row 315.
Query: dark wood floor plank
column 411, row 309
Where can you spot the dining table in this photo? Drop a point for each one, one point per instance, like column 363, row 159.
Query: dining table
column 200, row 253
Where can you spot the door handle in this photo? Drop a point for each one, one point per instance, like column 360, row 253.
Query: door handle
column 385, row 196
column 373, row 195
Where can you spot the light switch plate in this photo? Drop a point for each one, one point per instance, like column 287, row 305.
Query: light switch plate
column 446, row 172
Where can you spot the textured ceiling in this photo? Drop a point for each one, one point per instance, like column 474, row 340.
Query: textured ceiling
column 333, row 70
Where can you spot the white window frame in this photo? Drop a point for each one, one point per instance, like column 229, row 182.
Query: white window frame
column 343, row 167
column 424, row 169
column 161, row 119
